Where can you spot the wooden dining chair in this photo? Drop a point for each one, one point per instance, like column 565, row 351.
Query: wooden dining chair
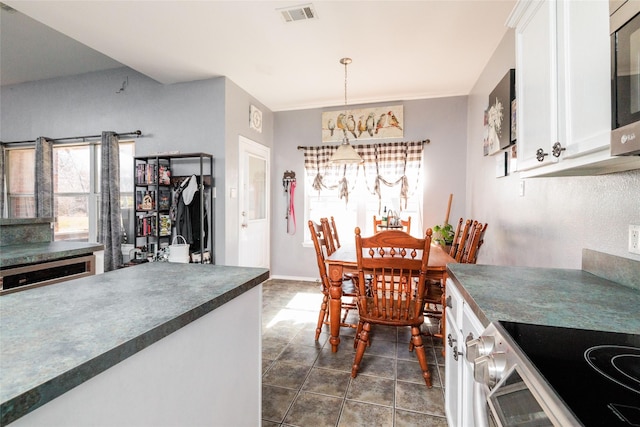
column 397, row 263
column 328, row 236
column 474, row 242
column 406, row 225
column 376, row 223
column 334, row 232
column 466, row 242
column 330, row 231
column 460, row 239
column 348, row 289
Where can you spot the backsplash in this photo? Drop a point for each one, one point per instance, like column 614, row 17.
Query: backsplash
column 15, row 231
column 617, row 269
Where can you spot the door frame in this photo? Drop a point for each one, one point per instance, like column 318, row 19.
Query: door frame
column 248, row 146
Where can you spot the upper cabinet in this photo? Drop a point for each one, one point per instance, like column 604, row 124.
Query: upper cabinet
column 563, row 88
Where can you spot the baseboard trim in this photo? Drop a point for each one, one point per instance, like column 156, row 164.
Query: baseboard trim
column 298, row 278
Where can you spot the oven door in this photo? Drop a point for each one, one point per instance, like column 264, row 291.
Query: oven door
column 512, row 403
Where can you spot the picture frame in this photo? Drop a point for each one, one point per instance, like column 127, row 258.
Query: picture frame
column 500, row 132
column 363, row 123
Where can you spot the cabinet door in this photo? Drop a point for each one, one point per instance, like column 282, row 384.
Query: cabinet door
column 453, row 373
column 536, row 83
column 453, row 365
column 584, row 86
column 471, row 328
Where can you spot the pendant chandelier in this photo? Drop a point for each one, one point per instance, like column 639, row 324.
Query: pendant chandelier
column 345, row 154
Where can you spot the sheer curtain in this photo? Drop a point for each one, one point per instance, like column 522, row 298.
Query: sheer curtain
column 111, row 230
column 43, row 191
column 3, row 193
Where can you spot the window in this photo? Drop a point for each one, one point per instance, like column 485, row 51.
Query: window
column 389, row 177
column 76, row 187
column 359, row 211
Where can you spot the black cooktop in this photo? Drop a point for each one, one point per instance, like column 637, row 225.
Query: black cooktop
column 597, row 374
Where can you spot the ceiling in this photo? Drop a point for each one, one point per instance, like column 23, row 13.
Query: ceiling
column 401, row 50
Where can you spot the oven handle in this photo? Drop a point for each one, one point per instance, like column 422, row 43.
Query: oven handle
column 480, row 405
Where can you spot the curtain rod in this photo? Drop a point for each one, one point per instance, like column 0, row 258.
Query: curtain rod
column 137, row 133
column 424, row 141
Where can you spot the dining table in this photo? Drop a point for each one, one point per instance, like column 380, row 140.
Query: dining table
column 344, row 260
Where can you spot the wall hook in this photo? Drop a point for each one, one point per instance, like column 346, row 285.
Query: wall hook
column 124, row 85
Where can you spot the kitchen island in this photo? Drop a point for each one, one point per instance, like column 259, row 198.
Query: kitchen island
column 155, row 344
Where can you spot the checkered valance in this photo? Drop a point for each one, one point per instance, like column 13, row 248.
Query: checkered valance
column 392, row 164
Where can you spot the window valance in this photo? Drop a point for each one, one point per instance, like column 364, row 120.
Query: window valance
column 392, row 164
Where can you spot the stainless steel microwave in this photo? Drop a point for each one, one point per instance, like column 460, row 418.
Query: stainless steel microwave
column 625, row 77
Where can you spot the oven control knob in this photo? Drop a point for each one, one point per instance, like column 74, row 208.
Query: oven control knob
column 489, row 369
column 481, row 346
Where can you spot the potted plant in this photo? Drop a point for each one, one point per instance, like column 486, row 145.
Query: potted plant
column 443, row 235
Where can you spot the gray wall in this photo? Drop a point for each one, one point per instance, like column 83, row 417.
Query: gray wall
column 442, row 120
column 237, row 104
column 557, row 217
column 199, row 116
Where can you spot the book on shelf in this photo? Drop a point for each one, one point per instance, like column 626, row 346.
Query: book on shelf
column 146, row 225
column 164, row 173
column 164, row 200
column 165, row 225
column 145, row 200
column 146, row 173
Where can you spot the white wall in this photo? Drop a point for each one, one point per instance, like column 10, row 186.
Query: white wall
column 557, row 217
column 442, row 120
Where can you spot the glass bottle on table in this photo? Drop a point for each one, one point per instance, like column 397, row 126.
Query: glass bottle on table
column 384, row 217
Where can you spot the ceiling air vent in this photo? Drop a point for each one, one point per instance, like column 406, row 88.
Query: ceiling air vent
column 298, row 13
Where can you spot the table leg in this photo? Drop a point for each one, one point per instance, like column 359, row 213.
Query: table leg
column 335, row 304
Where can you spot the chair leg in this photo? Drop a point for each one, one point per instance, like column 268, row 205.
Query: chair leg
column 362, row 345
column 416, row 339
column 322, row 315
column 357, row 337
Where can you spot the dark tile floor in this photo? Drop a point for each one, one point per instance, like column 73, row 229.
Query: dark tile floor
column 305, row 384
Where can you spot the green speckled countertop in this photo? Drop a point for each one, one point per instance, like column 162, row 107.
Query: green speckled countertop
column 33, row 253
column 56, row 337
column 548, row 296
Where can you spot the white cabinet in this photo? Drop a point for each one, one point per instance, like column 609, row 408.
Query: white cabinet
column 453, row 360
column 563, row 88
column 461, row 325
column 471, row 329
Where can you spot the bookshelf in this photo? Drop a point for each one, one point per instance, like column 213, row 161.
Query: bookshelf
column 156, row 187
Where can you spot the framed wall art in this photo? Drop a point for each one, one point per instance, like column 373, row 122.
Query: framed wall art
column 499, row 130
column 363, row 123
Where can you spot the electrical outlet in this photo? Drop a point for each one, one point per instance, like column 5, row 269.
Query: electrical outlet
column 634, row 239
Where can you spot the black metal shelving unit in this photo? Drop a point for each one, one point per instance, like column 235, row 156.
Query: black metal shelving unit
column 153, row 195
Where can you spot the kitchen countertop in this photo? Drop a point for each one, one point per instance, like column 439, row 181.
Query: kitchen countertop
column 56, row 337
column 548, row 296
column 34, row 253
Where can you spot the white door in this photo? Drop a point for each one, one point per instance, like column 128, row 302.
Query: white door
column 254, row 205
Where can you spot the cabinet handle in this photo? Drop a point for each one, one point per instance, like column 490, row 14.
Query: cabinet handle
column 450, row 340
column 540, row 154
column 456, row 353
column 448, row 303
column 557, row 149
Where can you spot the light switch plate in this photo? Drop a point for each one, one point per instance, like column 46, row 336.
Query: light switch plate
column 634, row 239
column 521, row 189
